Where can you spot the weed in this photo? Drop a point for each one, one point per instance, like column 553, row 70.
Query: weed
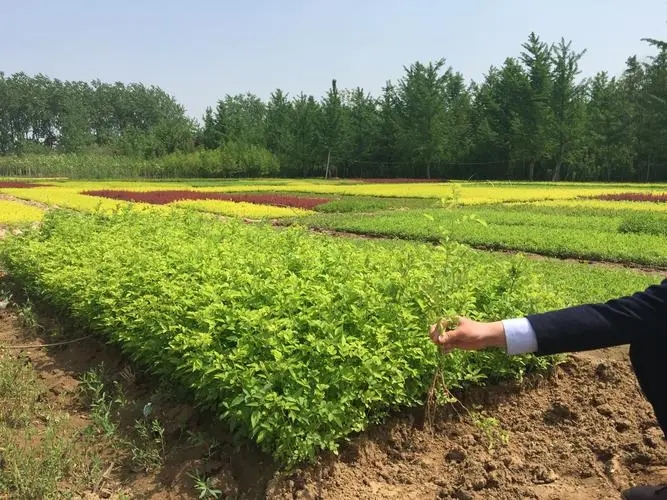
column 101, row 402
column 19, row 392
column 438, row 393
column 34, row 462
column 196, row 439
column 204, row 486
column 491, row 428
column 27, row 317
column 149, row 450
column 5, row 296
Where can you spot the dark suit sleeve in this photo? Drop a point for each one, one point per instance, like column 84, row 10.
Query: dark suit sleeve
column 594, row 326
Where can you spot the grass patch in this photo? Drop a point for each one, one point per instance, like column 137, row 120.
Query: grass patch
column 555, row 234
column 357, row 204
column 43, row 453
column 644, row 224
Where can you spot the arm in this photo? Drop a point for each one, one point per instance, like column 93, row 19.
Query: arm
column 572, row 329
column 594, row 326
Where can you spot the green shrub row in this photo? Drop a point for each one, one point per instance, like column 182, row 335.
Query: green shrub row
column 564, row 236
column 231, row 160
column 644, row 223
column 295, row 340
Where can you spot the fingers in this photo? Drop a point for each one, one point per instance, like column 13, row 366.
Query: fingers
column 439, row 335
column 437, row 331
column 458, row 338
column 451, row 339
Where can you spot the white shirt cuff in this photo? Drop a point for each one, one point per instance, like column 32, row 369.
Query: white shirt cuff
column 520, row 337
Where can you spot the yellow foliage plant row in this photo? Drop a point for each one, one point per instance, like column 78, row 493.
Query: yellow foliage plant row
column 632, row 206
column 68, row 197
column 467, row 194
column 15, row 212
column 241, row 209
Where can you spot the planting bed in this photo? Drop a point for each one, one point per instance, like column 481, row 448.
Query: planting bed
column 650, row 197
column 300, row 344
column 165, row 197
column 295, row 340
column 14, row 212
column 586, row 236
column 19, row 184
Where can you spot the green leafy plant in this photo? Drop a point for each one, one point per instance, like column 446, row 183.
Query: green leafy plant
column 149, row 450
column 491, row 429
column 557, row 233
column 27, row 317
column 644, row 223
column 204, row 486
column 295, row 340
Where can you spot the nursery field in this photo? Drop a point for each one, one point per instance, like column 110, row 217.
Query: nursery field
column 296, row 312
column 613, row 223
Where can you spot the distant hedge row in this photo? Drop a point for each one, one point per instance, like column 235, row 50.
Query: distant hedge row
column 232, row 160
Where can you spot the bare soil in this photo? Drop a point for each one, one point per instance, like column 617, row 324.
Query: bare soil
column 581, row 432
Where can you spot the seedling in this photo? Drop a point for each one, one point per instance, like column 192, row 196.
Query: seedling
column 204, row 485
column 439, row 393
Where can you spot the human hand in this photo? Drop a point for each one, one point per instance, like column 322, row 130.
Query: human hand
column 468, row 335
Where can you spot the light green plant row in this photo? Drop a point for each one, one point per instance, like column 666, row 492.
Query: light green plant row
column 295, row 340
column 646, row 223
column 557, row 235
column 574, row 282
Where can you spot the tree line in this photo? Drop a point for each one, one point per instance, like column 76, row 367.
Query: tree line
column 39, row 114
column 532, row 118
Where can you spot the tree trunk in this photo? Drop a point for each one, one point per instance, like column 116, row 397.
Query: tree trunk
column 531, row 170
column 556, row 176
column 428, row 170
column 561, row 152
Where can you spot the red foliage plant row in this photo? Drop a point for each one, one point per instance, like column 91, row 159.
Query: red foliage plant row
column 658, row 198
column 164, row 197
column 19, row 184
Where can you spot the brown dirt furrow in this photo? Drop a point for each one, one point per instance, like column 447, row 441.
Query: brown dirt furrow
column 584, row 431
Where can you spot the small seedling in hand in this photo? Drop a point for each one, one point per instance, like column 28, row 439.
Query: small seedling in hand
column 438, row 392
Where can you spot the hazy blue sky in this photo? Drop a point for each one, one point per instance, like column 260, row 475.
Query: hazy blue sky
column 199, row 51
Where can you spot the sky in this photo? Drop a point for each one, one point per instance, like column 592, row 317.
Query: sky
column 200, row 51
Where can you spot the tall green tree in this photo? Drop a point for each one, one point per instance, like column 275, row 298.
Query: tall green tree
column 653, row 133
column 422, row 114
column 239, row 118
column 277, row 128
column 361, row 132
column 567, row 103
column 536, row 121
column 608, row 151
column 387, row 148
column 332, row 125
column 306, row 147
